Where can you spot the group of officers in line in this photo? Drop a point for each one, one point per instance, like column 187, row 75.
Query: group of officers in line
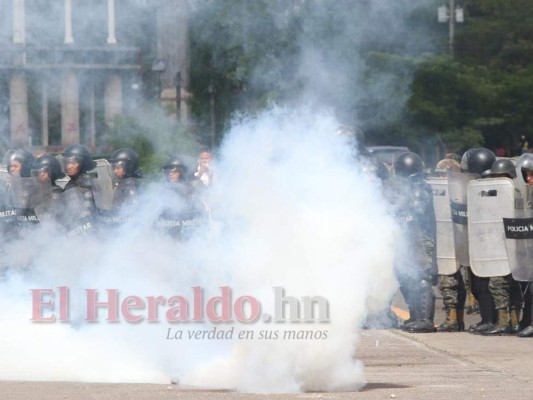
column 468, row 228
column 78, row 194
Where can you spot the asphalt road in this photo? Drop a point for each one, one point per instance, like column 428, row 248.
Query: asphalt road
column 397, row 365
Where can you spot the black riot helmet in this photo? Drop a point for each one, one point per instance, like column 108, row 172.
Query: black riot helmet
column 50, row 164
column 524, row 164
column 80, row 154
column 480, row 160
column 128, row 159
column 408, row 165
column 175, row 163
column 24, row 157
column 503, row 166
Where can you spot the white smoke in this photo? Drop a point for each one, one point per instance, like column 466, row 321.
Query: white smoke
column 311, row 222
column 291, row 209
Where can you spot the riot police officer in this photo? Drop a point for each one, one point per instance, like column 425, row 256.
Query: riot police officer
column 125, row 164
column 479, row 161
column 78, row 193
column 450, row 279
column 527, row 321
column 176, row 173
column 416, row 268
column 17, row 190
column 185, row 212
column 504, row 290
column 46, row 201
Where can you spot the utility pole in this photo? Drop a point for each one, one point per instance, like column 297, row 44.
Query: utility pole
column 451, row 14
column 451, row 26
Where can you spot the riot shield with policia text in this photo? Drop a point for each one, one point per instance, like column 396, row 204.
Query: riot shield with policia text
column 445, row 241
column 519, row 241
column 489, row 201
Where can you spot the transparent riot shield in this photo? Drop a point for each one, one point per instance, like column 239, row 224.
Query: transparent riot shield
column 4, row 184
column 21, row 191
column 519, row 181
column 41, row 200
column 23, row 194
column 445, row 243
column 489, row 201
column 76, row 218
column 519, row 240
column 457, row 191
column 102, row 182
column 182, row 215
column 3, row 173
column 8, row 212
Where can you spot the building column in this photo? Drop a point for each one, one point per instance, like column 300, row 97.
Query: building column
column 111, row 38
column 185, row 95
column 70, row 109
column 19, row 28
column 113, row 98
column 69, row 39
column 18, row 99
column 167, row 51
column 91, row 140
column 44, row 114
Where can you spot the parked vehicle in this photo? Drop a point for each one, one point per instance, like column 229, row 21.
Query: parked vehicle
column 387, row 154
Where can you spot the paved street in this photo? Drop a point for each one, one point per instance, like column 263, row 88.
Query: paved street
column 397, row 365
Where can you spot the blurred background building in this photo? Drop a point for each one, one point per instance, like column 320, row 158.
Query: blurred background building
column 69, row 67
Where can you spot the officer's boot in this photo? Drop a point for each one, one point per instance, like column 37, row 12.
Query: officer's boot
column 460, row 307
column 427, row 310
column 413, row 316
column 461, row 320
column 502, row 326
column 486, row 310
column 526, row 315
column 450, row 324
column 528, row 330
column 515, row 320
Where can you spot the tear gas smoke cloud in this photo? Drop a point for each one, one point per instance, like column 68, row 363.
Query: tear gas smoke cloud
column 291, row 209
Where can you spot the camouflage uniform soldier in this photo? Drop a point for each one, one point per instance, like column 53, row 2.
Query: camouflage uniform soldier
column 478, row 161
column 527, row 321
column 508, row 303
column 504, row 289
column 417, row 268
column 472, row 305
column 451, row 286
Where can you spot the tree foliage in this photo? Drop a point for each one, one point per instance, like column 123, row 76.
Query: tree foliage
column 381, row 65
column 486, row 89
